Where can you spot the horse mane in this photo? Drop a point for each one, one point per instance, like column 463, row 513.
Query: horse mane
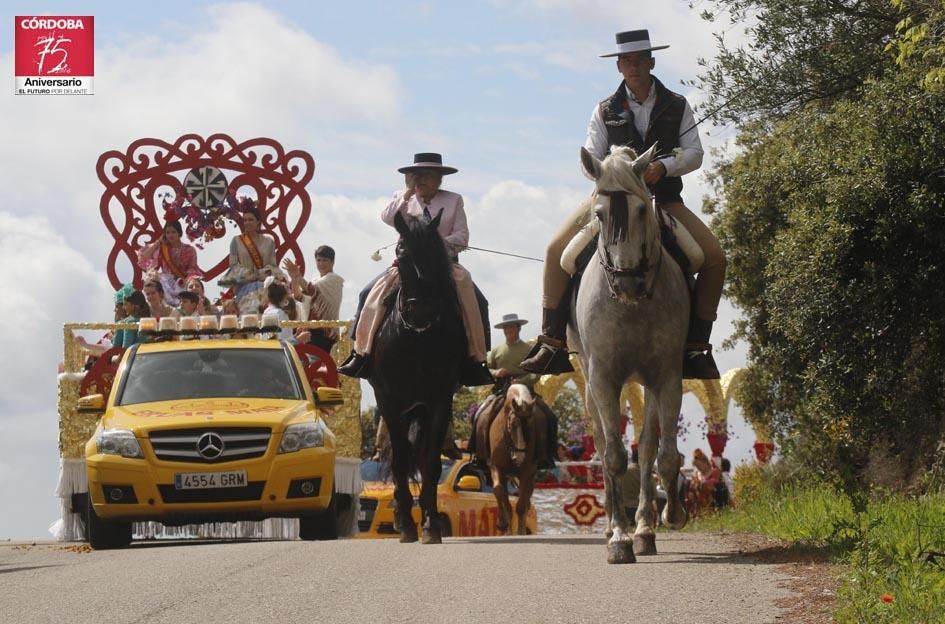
column 428, row 249
column 617, row 173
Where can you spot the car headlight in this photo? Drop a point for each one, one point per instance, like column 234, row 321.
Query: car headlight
column 118, row 442
column 302, row 436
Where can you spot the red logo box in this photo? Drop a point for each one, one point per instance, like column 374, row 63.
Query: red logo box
column 54, row 55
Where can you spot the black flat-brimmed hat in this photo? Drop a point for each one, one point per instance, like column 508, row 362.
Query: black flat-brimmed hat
column 428, row 160
column 510, row 319
column 633, row 41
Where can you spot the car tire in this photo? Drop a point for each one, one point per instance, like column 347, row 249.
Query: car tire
column 446, row 529
column 105, row 534
column 323, row 526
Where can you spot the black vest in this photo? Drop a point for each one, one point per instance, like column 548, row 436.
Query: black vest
column 663, row 131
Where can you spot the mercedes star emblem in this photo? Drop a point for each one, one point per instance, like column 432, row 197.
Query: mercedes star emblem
column 210, row 445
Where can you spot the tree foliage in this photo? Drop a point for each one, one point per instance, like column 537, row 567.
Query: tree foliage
column 832, row 214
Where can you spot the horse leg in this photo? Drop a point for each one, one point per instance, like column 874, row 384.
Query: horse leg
column 596, row 427
column 644, row 538
column 431, row 469
column 501, row 493
column 606, row 397
column 669, row 463
column 399, row 465
column 526, row 484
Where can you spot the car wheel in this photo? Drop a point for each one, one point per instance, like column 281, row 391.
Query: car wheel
column 323, row 526
column 446, row 530
column 104, row 534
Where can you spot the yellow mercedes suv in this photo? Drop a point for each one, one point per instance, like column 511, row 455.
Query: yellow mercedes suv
column 209, row 431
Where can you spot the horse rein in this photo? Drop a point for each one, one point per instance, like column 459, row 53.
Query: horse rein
column 403, row 314
column 613, row 272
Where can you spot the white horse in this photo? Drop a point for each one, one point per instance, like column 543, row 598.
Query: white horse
column 629, row 319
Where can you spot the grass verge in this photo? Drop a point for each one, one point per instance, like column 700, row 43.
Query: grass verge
column 888, row 573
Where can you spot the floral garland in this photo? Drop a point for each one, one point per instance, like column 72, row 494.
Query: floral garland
column 206, row 224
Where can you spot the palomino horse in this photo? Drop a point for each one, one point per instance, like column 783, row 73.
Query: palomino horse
column 513, row 454
column 417, row 354
column 629, row 319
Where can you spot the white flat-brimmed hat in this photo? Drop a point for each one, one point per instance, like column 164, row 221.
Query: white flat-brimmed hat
column 510, row 319
column 428, row 160
column 632, row 41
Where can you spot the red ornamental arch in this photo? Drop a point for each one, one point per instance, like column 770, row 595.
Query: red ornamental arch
column 134, row 178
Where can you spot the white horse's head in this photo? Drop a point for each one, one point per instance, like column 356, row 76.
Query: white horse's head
column 629, row 246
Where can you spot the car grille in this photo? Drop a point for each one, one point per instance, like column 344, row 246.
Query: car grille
column 252, row 491
column 368, row 508
column 180, row 445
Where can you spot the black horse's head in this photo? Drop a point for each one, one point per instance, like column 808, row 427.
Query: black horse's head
column 427, row 289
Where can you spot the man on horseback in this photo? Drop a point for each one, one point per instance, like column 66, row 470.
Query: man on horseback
column 422, row 198
column 641, row 113
column 504, row 362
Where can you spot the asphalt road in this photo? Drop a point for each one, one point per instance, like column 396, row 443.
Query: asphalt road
column 697, row 578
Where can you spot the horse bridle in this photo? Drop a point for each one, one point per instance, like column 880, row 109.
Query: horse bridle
column 612, row 272
column 401, row 302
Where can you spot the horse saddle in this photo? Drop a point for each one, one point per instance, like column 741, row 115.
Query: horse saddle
column 677, row 241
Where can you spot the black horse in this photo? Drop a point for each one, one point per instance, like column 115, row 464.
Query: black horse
column 418, row 351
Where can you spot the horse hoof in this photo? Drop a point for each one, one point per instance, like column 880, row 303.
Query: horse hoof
column 620, row 552
column 407, row 536
column 644, row 544
column 431, row 537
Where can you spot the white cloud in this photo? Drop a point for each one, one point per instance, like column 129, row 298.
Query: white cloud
column 674, row 24
column 48, row 283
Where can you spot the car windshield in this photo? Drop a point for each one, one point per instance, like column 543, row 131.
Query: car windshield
column 209, row 373
column 372, row 470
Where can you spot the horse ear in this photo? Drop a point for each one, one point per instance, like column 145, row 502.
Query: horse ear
column 643, row 160
column 400, row 224
column 435, row 221
column 590, row 163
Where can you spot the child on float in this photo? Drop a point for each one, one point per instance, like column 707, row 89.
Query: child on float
column 279, row 300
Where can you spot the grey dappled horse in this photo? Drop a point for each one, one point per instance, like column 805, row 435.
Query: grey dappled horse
column 629, row 319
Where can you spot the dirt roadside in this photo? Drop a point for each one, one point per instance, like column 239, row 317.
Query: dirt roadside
column 814, row 579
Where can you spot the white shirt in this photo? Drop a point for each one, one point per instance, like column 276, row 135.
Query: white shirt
column 687, row 160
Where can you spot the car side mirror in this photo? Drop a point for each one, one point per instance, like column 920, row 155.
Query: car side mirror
column 469, row 483
column 328, row 397
column 91, row 404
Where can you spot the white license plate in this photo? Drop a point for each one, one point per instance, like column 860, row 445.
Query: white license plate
column 208, row 480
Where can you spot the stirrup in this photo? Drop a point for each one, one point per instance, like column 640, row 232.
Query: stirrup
column 549, row 356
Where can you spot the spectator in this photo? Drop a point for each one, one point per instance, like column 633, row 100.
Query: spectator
column 204, row 306
column 135, row 307
column 728, row 481
column 158, row 307
column 278, row 297
column 325, row 293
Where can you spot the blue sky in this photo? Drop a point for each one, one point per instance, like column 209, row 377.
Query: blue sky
column 503, row 89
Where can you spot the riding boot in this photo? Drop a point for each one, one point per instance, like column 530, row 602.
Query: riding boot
column 550, row 353
column 356, row 365
column 698, row 362
column 473, row 373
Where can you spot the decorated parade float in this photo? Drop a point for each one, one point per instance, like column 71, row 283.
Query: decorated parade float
column 208, row 185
